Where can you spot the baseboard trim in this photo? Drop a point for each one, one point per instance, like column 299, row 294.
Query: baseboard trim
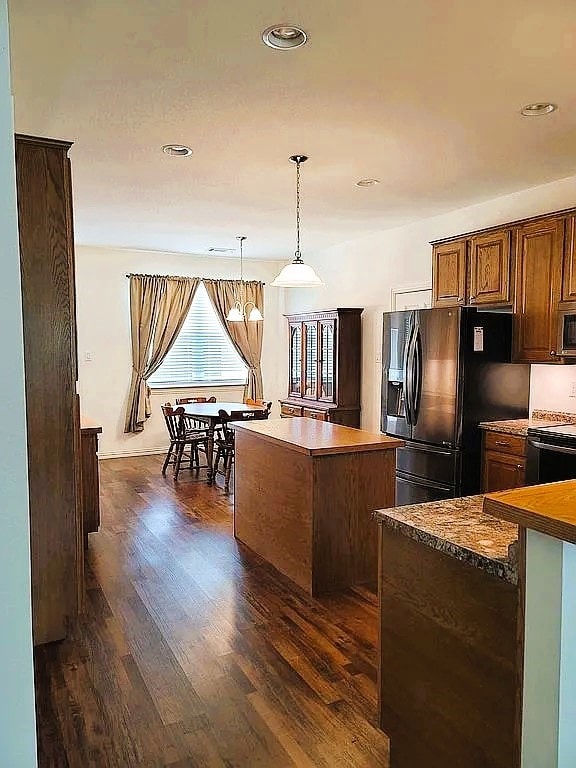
column 129, row 454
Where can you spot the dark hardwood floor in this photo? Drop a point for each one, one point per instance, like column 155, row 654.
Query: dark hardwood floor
column 193, row 652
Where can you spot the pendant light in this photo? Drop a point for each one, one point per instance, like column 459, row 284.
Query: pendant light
column 297, row 274
column 238, row 312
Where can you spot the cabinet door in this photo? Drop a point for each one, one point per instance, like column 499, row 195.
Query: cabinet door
column 490, row 268
column 449, row 274
column 539, row 252
column 569, row 271
column 295, row 374
column 502, row 472
column 327, row 360
column 311, row 360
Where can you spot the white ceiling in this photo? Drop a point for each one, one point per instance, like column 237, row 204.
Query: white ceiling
column 424, row 95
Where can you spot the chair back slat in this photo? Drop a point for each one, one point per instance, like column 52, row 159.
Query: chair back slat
column 186, row 400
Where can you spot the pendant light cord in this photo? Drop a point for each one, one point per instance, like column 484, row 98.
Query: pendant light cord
column 298, row 255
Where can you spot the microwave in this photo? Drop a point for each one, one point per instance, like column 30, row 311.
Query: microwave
column 567, row 333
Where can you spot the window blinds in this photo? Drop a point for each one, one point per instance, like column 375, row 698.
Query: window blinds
column 202, row 354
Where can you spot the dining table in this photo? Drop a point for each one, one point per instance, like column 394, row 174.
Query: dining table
column 209, row 414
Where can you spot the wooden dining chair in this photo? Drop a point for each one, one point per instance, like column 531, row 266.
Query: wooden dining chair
column 224, row 440
column 185, row 443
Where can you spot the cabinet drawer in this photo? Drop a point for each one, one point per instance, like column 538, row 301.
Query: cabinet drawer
column 503, row 443
column 318, row 415
column 290, row 410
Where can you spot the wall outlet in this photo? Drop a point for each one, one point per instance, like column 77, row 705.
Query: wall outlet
column 572, row 389
column 88, row 358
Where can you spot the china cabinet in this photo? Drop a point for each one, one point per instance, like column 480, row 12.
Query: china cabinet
column 324, row 366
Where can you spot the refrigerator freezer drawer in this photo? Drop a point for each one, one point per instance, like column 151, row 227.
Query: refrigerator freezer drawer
column 416, row 490
column 439, row 465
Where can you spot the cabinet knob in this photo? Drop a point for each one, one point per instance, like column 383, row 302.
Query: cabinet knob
column 519, row 466
column 460, row 298
column 552, row 353
column 472, row 299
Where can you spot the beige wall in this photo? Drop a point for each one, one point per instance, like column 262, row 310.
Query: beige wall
column 362, row 273
column 104, row 332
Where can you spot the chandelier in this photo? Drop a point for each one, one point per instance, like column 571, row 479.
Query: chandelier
column 239, row 311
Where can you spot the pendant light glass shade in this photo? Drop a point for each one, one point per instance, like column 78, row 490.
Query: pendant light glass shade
column 297, row 274
column 235, row 315
column 238, row 312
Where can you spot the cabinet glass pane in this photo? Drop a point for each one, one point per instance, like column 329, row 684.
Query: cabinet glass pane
column 327, row 361
column 311, row 383
column 295, row 358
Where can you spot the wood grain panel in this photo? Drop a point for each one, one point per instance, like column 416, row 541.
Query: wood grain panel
column 347, row 490
column 569, row 267
column 502, row 471
column 549, row 509
column 448, row 649
column 273, row 505
column 490, row 266
column 449, row 274
column 538, row 288
column 44, row 216
column 505, row 443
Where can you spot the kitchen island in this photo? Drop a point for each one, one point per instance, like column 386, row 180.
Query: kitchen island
column 449, row 670
column 304, row 494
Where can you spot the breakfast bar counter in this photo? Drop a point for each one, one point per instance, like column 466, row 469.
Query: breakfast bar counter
column 304, row 495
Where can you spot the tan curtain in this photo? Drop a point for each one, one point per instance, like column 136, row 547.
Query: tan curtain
column 158, row 307
column 246, row 336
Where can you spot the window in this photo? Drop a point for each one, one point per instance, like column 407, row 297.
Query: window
column 202, row 354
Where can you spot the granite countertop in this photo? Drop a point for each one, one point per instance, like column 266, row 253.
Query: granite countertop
column 520, row 426
column 459, row 528
column 516, row 426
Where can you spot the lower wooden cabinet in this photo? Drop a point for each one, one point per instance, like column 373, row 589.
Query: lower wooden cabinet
column 346, row 417
column 504, row 462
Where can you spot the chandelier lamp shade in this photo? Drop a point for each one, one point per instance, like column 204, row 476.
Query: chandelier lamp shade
column 241, row 309
column 297, row 274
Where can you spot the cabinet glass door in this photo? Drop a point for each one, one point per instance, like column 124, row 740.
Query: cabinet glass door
column 327, row 361
column 295, row 383
column 311, row 360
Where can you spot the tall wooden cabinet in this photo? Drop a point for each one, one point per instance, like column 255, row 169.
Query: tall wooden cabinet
column 324, row 366
column 49, row 321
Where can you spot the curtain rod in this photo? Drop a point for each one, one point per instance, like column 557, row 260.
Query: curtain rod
column 182, row 277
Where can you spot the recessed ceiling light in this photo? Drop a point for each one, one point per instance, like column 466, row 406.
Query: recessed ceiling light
column 284, row 36
column 367, row 182
column 178, row 150
column 538, row 109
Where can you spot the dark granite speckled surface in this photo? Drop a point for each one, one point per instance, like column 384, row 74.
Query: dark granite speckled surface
column 516, row 426
column 459, row 528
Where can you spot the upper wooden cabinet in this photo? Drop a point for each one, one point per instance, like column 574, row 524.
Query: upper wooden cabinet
column 489, row 262
column 569, row 271
column 539, row 256
column 449, row 274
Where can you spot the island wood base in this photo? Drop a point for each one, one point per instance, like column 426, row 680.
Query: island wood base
column 450, row 672
column 309, row 514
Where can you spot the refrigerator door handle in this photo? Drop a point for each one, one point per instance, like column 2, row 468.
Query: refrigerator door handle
column 408, row 377
column 417, row 388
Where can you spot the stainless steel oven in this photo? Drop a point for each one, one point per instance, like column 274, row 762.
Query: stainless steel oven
column 567, row 333
column 551, row 454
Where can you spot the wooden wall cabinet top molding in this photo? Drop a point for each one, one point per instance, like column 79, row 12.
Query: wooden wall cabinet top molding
column 449, row 274
column 490, row 268
column 324, row 366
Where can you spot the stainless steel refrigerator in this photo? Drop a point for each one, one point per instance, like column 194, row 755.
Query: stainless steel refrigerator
column 443, row 372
